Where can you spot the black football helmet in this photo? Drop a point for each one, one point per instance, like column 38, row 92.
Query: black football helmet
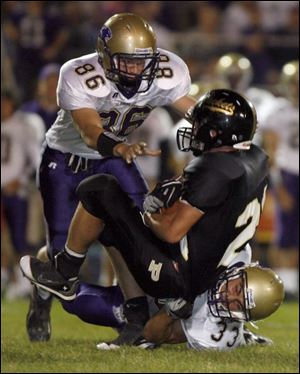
column 220, row 118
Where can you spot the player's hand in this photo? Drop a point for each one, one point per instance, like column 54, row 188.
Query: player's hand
column 164, row 195
column 152, row 204
column 129, row 152
column 177, row 308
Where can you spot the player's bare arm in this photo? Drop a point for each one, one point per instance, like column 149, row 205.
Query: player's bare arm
column 162, row 328
column 183, row 104
column 173, row 223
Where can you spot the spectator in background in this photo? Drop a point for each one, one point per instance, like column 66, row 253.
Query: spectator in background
column 274, row 15
column 45, row 103
column 39, row 38
column 285, row 45
column 281, row 137
column 254, row 48
column 21, row 136
column 151, row 11
column 205, row 39
column 238, row 17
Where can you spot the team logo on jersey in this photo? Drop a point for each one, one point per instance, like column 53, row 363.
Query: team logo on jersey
column 105, row 33
column 221, row 106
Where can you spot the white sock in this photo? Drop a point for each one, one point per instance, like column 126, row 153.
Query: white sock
column 74, row 254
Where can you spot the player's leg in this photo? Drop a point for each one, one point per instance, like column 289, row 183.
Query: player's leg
column 98, row 305
column 57, row 185
column 153, row 268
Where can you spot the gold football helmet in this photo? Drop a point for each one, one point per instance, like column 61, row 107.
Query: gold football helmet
column 261, row 293
column 127, row 52
column 289, row 80
column 235, row 70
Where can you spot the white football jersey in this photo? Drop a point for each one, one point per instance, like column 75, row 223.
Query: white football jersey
column 285, row 122
column 82, row 84
column 204, row 331
column 21, row 138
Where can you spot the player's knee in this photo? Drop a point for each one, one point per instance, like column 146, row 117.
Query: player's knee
column 102, row 187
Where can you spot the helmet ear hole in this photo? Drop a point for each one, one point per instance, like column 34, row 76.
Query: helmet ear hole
column 213, row 133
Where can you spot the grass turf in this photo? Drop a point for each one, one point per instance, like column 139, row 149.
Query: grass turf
column 72, row 348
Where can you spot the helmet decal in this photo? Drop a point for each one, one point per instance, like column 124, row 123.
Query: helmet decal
column 105, row 33
column 221, row 106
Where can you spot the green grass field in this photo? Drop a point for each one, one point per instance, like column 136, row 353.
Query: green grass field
column 72, row 348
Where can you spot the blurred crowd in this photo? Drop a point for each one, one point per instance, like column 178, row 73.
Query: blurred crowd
column 259, row 39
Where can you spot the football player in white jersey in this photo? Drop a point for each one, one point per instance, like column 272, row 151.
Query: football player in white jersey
column 281, row 137
column 245, row 292
column 103, row 97
column 21, row 137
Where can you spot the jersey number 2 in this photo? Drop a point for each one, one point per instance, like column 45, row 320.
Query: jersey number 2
column 249, row 217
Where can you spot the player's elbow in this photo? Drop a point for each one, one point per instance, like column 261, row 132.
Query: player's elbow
column 173, row 236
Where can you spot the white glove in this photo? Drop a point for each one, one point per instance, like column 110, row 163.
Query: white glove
column 152, row 204
column 177, row 308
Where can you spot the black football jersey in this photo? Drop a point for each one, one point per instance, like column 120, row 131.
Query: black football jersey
column 229, row 187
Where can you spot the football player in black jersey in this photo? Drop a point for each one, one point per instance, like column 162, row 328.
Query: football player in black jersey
column 192, row 227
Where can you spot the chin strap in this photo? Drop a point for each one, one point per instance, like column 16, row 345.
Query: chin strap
column 253, row 325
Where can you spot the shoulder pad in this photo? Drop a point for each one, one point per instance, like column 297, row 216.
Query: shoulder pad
column 85, row 73
column 172, row 71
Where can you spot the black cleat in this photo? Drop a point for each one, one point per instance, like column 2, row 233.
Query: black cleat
column 45, row 276
column 253, row 339
column 131, row 335
column 38, row 318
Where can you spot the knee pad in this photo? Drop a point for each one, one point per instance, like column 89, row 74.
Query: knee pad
column 96, row 191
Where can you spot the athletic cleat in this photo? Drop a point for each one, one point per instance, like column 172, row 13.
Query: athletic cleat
column 38, row 318
column 131, row 335
column 254, row 339
column 45, row 276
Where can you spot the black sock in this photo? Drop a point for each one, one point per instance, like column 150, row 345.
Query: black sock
column 136, row 310
column 68, row 265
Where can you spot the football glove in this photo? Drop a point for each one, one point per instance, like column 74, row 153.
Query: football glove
column 164, row 195
column 177, row 308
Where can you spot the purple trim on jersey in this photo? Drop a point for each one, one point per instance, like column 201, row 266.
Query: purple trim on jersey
column 288, row 222
column 97, row 305
column 58, row 185
column 16, row 213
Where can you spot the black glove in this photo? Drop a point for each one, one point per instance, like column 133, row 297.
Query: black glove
column 164, row 195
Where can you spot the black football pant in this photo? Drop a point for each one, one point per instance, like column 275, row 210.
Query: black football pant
column 153, row 262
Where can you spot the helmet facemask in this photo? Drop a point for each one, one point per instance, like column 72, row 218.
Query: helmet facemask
column 236, row 309
column 258, row 292
column 131, row 83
